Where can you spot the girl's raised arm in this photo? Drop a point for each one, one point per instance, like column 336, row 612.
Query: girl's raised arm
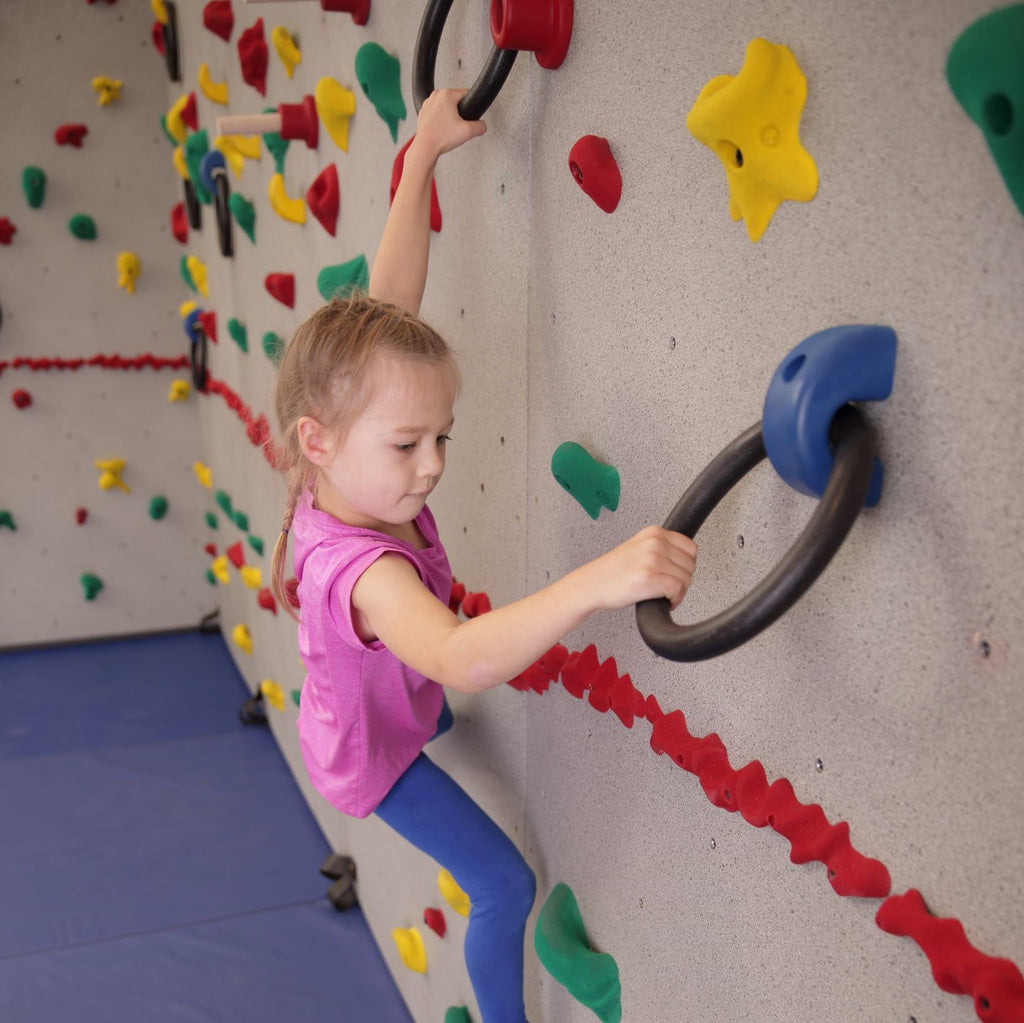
column 399, row 273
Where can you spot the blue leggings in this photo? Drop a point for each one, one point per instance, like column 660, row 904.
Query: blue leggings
column 428, row 809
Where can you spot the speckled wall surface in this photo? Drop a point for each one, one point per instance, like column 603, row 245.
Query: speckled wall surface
column 890, row 695
column 60, row 301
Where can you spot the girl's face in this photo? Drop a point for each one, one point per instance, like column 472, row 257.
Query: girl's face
column 379, row 473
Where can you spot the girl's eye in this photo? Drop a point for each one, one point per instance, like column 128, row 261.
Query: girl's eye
column 406, row 447
column 444, row 438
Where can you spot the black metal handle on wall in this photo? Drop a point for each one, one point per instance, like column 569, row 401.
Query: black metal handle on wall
column 854, row 454
column 482, row 92
column 198, row 352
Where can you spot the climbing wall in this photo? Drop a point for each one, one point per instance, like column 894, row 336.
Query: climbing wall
column 102, row 526
column 876, row 723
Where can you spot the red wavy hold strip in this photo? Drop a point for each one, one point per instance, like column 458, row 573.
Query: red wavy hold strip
column 996, row 985
column 146, row 361
column 257, row 428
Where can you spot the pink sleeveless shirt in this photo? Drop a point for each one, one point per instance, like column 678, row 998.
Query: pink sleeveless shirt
column 364, row 716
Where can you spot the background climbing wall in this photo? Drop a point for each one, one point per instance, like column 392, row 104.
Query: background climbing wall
column 891, row 694
column 60, row 301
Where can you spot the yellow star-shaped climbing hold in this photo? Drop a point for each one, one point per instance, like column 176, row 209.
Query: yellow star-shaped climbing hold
column 751, row 121
column 203, row 474
column 179, row 392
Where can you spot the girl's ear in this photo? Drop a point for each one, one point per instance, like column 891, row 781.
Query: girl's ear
column 316, row 442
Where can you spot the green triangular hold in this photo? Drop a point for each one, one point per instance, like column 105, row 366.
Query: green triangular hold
column 245, row 213
column 273, row 347
column 342, row 280
column 380, row 77
column 238, row 334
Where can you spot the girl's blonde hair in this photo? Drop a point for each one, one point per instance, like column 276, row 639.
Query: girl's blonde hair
column 324, row 374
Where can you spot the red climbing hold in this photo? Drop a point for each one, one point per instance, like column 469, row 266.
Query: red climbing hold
column 71, row 135
column 596, row 171
column 190, row 113
column 300, row 121
column 282, row 287
column 7, row 231
column 396, row 177
column 543, row 26
column 209, row 321
column 253, row 55
column 265, row 599
column 359, row 9
column 179, row 223
column 291, row 591
column 435, row 920
column 457, row 594
column 219, row 18
column 21, row 399
column 474, row 604
column 236, row 554
column 156, row 33
column 579, row 668
column 323, row 198
column 81, row 514
column 996, row 985
column 539, row 675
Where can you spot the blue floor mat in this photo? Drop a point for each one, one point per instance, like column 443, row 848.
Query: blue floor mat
column 114, row 842
column 117, row 693
column 299, row 964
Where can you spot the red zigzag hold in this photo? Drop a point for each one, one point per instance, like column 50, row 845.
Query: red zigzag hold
column 996, row 985
column 747, row 790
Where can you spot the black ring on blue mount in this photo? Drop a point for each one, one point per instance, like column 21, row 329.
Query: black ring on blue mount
column 198, row 355
column 172, row 53
column 482, row 92
column 192, row 208
column 853, row 459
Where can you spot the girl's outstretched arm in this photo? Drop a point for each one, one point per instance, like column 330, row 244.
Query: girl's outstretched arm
column 399, row 273
column 393, row 605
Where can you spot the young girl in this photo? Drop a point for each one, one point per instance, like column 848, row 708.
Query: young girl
column 365, row 402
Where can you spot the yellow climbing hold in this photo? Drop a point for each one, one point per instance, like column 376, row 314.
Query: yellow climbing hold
column 335, row 106
column 178, row 159
column 751, row 121
column 215, row 92
column 197, row 271
column 159, row 11
column 453, row 894
column 129, row 267
column 174, row 121
column 186, row 307
column 410, row 947
column 252, row 577
column 284, row 206
column 110, row 474
column 180, row 390
column 242, row 637
column 203, row 472
column 272, row 693
column 237, row 149
column 286, row 48
column 108, row 90
column 219, row 567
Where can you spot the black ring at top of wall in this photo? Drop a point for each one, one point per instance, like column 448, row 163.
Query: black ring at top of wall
column 482, row 92
column 198, row 355
column 192, row 207
column 853, row 461
column 223, row 211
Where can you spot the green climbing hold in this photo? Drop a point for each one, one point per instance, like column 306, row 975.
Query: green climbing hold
column 167, row 132
column 186, row 273
column 277, row 145
column 210, row 577
column 33, row 184
column 560, row 939
column 594, row 484
column 7, row 520
column 458, row 1014
column 238, row 333
column 211, row 520
column 158, row 507
column 273, row 347
column 91, row 585
column 985, row 70
column 379, row 76
column 242, row 521
column 81, row 225
column 296, row 696
column 223, row 499
column 256, row 544
column 342, row 280
column 197, row 145
column 245, row 213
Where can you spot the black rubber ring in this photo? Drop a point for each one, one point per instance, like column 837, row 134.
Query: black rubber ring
column 482, row 92
column 853, row 459
column 223, row 210
column 198, row 356
column 169, row 30
column 192, row 208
